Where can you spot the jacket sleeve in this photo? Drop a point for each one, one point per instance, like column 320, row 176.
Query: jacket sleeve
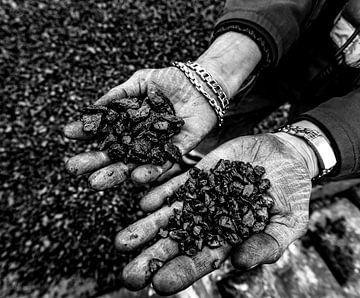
column 339, row 118
column 273, row 24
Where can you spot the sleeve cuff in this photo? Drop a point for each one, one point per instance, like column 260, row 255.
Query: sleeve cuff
column 258, row 23
column 341, row 139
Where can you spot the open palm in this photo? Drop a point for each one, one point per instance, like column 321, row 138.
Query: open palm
column 188, row 103
column 290, row 190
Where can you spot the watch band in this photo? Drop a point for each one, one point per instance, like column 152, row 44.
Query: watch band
column 323, row 151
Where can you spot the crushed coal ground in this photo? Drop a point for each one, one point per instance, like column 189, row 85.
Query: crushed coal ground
column 55, row 58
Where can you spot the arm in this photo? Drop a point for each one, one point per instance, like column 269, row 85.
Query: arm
column 232, row 55
column 273, row 24
column 339, row 119
column 250, row 33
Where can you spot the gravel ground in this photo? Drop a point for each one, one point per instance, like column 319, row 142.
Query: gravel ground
column 55, row 57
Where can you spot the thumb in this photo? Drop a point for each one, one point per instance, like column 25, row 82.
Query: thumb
column 135, row 86
column 259, row 249
column 267, row 247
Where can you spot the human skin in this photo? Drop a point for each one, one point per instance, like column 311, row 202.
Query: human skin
column 290, row 164
column 230, row 59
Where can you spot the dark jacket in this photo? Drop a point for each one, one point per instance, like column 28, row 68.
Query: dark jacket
column 311, row 49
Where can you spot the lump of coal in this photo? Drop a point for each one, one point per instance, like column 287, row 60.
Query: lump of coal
column 136, row 130
column 160, row 103
column 155, row 265
column 91, row 123
column 226, row 204
column 173, row 152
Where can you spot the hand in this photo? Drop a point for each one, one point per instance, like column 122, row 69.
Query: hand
column 285, row 159
column 230, row 59
column 188, row 103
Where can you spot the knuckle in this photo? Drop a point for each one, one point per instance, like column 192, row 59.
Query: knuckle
column 139, row 74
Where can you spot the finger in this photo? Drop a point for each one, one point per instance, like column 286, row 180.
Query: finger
column 183, row 271
column 145, row 229
column 137, row 274
column 74, row 130
column 156, row 197
column 135, row 86
column 110, row 176
column 258, row 249
column 87, row 162
column 173, row 171
column 185, row 140
column 149, row 173
column 267, row 247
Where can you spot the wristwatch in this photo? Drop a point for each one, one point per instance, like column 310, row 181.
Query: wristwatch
column 323, row 151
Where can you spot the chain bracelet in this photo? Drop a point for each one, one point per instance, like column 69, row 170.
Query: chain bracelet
column 213, row 103
column 210, row 81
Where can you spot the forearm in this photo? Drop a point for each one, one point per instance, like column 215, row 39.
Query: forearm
column 339, row 119
column 274, row 24
column 230, row 60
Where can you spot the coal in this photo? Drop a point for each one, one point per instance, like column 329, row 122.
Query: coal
column 135, row 130
column 225, row 205
column 155, row 265
column 56, row 57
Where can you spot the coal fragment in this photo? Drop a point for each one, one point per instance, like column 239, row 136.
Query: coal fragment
column 160, row 103
column 91, row 123
column 173, row 152
column 163, row 233
column 107, row 142
column 140, row 114
column 158, row 156
column 111, row 116
column 124, row 104
column 94, row 109
column 161, row 125
column 216, row 264
column 155, row 265
column 116, row 152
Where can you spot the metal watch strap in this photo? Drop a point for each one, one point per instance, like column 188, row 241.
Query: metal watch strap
column 318, row 143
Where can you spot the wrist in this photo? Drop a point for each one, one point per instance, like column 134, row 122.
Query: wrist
column 313, row 145
column 303, row 147
column 230, row 60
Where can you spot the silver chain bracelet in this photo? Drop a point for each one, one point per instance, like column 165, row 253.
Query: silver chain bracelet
column 212, row 101
column 209, row 80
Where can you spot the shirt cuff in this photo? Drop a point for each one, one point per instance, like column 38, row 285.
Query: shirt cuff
column 258, row 23
column 342, row 139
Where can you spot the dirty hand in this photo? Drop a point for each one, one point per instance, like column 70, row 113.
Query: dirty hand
column 188, row 103
column 230, row 59
column 290, row 164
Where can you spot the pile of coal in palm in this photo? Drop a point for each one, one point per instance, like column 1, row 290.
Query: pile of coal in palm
column 135, row 130
column 226, row 204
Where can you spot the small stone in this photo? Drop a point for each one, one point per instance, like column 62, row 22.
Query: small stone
column 91, row 123
column 216, row 264
column 155, row 265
